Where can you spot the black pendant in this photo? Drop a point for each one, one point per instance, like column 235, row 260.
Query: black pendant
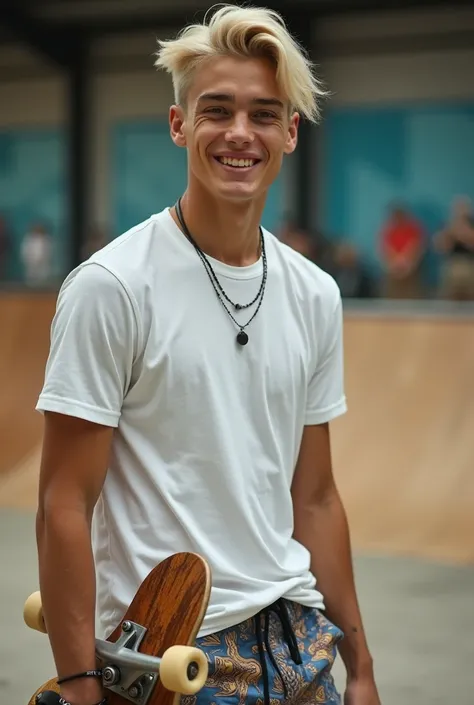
column 242, row 338
column 238, row 307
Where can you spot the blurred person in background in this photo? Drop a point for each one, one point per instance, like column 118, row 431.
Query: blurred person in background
column 95, row 241
column 296, row 238
column 456, row 242
column 36, row 255
column 312, row 245
column 4, row 247
column 402, row 247
column 288, row 225
column 352, row 276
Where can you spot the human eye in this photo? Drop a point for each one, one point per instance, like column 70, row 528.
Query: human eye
column 216, row 110
column 265, row 115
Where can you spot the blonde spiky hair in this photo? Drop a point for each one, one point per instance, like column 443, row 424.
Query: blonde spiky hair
column 245, row 32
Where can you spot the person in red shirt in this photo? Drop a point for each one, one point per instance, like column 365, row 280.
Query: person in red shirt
column 402, row 245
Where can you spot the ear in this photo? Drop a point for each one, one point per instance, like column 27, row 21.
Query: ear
column 177, row 125
column 292, row 135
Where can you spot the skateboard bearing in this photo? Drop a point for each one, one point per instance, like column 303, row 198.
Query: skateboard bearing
column 111, row 675
column 193, row 670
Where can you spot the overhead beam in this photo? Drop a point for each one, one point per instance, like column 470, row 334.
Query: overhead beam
column 398, row 44
column 53, row 45
column 305, row 190
column 157, row 21
column 170, row 18
column 345, row 7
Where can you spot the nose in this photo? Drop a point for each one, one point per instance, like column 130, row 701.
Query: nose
column 240, row 132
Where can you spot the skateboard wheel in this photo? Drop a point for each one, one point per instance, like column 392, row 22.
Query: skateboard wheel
column 33, row 613
column 48, row 697
column 183, row 669
column 44, row 695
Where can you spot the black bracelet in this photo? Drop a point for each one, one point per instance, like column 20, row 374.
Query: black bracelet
column 65, row 702
column 85, row 674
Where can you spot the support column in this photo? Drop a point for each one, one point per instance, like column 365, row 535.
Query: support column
column 306, row 177
column 78, row 133
column 301, row 26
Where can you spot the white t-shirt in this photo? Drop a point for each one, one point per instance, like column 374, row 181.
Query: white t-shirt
column 207, row 431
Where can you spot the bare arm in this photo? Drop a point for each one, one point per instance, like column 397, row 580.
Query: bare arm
column 321, row 526
column 73, row 468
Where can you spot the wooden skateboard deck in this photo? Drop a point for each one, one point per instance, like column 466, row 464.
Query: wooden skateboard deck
column 170, row 604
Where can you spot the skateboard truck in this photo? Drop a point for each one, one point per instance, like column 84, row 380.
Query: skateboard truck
column 125, row 671
column 133, row 675
column 155, row 663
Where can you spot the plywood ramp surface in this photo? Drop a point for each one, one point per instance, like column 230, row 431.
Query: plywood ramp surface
column 24, row 333
column 404, row 452
column 19, row 486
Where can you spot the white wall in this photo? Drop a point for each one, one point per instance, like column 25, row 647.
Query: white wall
column 364, row 59
column 32, row 102
column 389, row 57
column 428, row 76
column 120, row 97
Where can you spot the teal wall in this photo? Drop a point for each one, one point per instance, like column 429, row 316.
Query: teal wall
column 420, row 155
column 33, row 188
column 148, row 173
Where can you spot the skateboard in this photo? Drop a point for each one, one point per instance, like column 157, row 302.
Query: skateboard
column 149, row 659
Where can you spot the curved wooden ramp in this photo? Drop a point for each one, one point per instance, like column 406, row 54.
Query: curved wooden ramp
column 404, row 452
column 25, row 322
column 19, row 487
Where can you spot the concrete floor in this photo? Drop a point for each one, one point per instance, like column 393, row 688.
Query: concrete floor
column 419, row 618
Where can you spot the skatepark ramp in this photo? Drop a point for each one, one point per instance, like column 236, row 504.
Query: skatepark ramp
column 403, row 454
column 24, row 331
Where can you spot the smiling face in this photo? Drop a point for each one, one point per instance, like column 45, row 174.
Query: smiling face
column 236, row 127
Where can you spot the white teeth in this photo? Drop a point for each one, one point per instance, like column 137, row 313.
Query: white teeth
column 236, row 162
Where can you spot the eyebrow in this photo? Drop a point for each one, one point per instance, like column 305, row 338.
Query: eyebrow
column 229, row 98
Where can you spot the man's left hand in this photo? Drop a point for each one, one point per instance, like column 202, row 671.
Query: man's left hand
column 361, row 691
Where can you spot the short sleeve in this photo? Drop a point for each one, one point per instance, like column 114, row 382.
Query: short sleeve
column 326, row 397
column 94, row 340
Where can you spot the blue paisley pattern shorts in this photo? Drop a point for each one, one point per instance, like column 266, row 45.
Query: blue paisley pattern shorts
column 265, row 661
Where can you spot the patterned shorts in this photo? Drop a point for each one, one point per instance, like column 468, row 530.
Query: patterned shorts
column 282, row 655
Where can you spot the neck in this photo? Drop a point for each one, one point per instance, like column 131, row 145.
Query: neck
column 226, row 231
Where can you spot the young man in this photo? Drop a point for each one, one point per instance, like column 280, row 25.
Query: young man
column 195, row 365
